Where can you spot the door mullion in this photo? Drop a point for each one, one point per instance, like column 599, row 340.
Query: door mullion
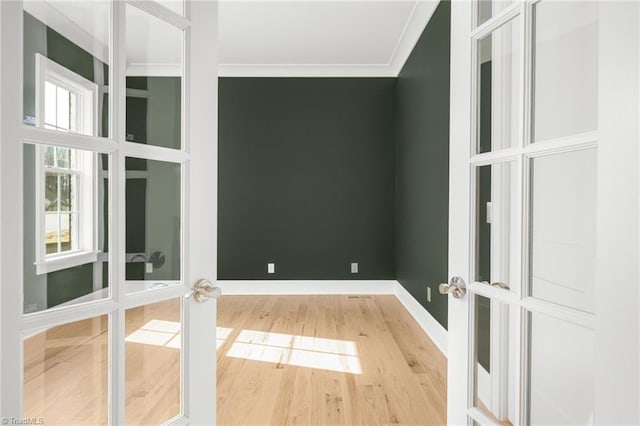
column 117, row 228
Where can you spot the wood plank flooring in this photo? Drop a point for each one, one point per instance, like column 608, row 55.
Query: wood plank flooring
column 402, row 379
column 285, row 360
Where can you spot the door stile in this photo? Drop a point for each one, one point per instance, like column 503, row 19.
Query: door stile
column 201, row 233
column 461, row 135
column 617, row 375
column 10, row 209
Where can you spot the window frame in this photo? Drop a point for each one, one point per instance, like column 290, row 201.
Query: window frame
column 85, row 170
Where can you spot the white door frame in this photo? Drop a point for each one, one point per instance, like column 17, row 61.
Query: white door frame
column 616, row 323
column 198, row 159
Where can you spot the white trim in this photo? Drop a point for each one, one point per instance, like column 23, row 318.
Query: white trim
column 305, row 70
column 436, row 332
column 157, row 9
column 65, row 261
column 416, row 24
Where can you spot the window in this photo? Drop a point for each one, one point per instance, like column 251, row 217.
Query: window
column 66, row 179
column 65, row 101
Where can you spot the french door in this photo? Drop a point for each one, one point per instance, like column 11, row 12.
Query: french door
column 108, row 171
column 543, row 260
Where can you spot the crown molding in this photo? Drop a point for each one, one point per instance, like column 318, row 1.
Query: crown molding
column 415, row 25
column 305, row 70
column 413, row 29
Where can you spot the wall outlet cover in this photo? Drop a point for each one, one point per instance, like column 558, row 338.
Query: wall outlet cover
column 428, row 294
column 354, row 267
column 271, row 268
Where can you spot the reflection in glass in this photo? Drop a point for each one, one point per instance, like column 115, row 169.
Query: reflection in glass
column 152, row 367
column 563, row 228
column 495, row 349
column 565, row 75
column 496, row 189
column 153, row 221
column 66, row 65
column 561, row 372
column 487, row 9
column 154, row 79
column 497, row 88
column 66, row 202
column 65, row 373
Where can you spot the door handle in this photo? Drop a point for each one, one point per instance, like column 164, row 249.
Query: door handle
column 503, row 286
column 455, row 287
column 203, row 290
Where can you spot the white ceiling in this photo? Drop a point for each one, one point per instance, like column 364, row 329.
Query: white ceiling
column 260, row 37
column 319, row 37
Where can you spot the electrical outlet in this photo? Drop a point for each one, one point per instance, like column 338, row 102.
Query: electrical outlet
column 354, row 267
column 271, row 268
column 428, row 294
column 148, row 267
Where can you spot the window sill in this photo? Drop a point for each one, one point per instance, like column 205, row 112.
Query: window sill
column 58, row 263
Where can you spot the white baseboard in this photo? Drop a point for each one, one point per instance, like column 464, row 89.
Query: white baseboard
column 436, row 332
column 293, row 287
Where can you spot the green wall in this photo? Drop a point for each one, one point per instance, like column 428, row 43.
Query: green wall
column 422, row 165
column 307, row 171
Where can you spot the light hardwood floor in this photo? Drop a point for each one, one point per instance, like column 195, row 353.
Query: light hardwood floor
column 403, row 374
column 305, row 360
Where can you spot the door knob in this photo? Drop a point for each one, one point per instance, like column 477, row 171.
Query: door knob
column 203, row 290
column 456, row 287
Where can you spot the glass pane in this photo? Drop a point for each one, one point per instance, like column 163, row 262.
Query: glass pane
column 62, row 109
column 50, row 102
column 65, row 231
column 498, row 88
column 52, row 233
column 51, row 193
column 565, row 77
column 50, row 156
column 154, row 80
column 495, row 227
column 66, row 192
column 487, row 9
column 561, row 372
column 563, row 228
column 63, row 158
column 495, row 349
column 153, row 203
column 66, row 65
column 152, row 368
column 66, row 373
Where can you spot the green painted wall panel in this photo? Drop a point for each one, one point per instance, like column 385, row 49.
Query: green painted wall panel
column 307, row 171
column 422, row 201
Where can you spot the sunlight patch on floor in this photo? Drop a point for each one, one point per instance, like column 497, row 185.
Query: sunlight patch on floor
column 299, row 351
column 167, row 334
column 222, row 333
